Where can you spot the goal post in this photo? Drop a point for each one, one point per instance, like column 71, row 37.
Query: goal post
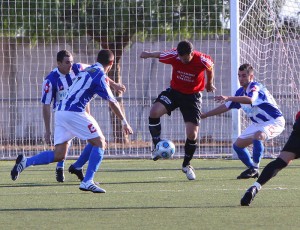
column 235, row 62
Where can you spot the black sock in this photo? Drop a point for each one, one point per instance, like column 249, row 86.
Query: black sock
column 155, row 129
column 271, row 170
column 189, row 149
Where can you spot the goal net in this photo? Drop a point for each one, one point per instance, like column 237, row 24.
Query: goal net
column 270, row 41
column 31, row 33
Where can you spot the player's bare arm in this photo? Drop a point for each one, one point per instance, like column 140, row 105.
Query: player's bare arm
column 115, row 106
column 147, row 54
column 119, row 87
column 47, row 120
column 221, row 109
column 238, row 99
column 210, row 81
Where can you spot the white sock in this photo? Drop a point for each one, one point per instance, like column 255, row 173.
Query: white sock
column 257, row 185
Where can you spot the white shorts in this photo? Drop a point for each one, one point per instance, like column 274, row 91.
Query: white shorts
column 70, row 124
column 270, row 128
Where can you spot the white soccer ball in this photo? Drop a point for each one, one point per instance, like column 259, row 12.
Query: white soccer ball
column 165, row 149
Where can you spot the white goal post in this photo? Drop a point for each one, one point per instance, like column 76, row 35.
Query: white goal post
column 264, row 33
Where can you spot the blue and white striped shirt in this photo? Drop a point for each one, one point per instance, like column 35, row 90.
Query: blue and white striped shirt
column 56, row 85
column 85, row 87
column 263, row 108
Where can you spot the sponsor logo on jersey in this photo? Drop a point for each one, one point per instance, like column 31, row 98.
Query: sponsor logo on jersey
column 62, row 94
column 92, row 128
column 47, row 87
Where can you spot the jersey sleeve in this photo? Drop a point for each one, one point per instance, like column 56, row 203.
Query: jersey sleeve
column 47, row 92
column 207, row 61
column 168, row 57
column 104, row 91
column 255, row 94
column 234, row 105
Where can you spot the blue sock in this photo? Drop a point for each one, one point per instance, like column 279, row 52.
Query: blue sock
column 84, row 156
column 43, row 158
column 258, row 151
column 60, row 164
column 244, row 155
column 94, row 163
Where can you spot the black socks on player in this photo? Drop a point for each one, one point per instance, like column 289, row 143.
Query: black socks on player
column 271, row 170
column 155, row 129
column 189, row 148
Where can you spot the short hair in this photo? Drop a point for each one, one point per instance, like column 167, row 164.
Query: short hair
column 247, row 67
column 184, row 47
column 62, row 54
column 105, row 57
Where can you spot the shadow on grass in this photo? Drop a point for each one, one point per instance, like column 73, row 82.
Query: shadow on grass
column 112, row 208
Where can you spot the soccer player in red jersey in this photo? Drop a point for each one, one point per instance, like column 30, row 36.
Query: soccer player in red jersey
column 290, row 151
column 188, row 80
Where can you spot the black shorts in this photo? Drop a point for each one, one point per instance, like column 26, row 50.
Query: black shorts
column 189, row 104
column 293, row 143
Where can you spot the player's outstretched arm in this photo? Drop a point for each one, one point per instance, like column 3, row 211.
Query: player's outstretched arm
column 221, row 109
column 115, row 106
column 148, row 54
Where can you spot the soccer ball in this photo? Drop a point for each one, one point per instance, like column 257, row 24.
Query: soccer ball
column 165, row 149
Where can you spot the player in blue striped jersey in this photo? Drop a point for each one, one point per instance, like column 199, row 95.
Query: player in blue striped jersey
column 259, row 105
column 55, row 87
column 71, row 120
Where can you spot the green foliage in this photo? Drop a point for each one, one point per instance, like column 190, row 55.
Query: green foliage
column 118, row 20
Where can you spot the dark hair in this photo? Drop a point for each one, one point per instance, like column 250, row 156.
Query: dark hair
column 184, row 47
column 105, row 57
column 247, row 67
column 62, row 54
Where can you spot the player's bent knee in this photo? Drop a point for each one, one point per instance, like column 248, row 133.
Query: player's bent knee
column 260, row 136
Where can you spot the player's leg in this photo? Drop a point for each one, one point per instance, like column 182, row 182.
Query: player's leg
column 189, row 149
column 164, row 104
column 240, row 147
column 59, row 171
column 157, row 110
column 77, row 167
column 268, row 172
column 190, row 107
column 290, row 151
column 85, row 127
column 45, row 157
column 161, row 106
column 95, row 159
column 265, row 131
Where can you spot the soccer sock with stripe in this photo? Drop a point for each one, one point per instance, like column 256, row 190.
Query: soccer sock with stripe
column 84, row 156
column 243, row 155
column 42, row 158
column 95, row 160
column 155, row 129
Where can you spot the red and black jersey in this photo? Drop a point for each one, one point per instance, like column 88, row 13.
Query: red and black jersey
column 187, row 78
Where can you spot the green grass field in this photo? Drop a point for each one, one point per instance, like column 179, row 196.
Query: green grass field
column 142, row 194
